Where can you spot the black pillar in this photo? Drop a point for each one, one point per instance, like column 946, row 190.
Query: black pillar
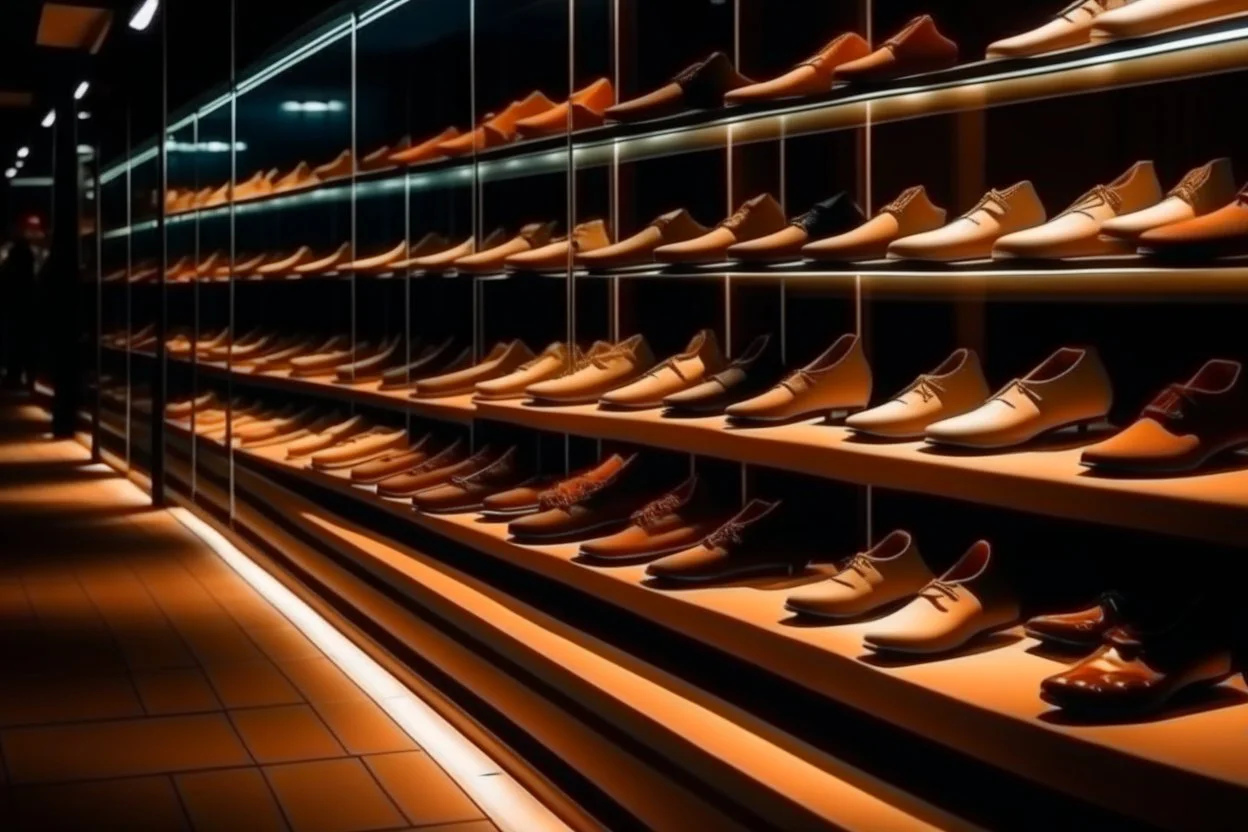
column 61, row 308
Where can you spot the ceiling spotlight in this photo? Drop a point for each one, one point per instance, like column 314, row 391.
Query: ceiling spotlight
column 49, row 119
column 144, row 14
column 81, row 92
column 19, row 164
column 83, row 115
column 10, row 173
column 313, row 106
column 23, row 152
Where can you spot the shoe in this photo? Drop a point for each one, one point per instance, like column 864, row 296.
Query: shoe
column 326, row 264
column 283, row 360
column 444, row 259
column 1185, row 427
column 1076, row 232
column 425, row 474
column 1201, row 191
column 325, row 439
column 1134, row 674
column 890, row 571
column 700, row 359
column 519, row 501
column 838, row 380
column 638, row 250
column 957, row 386
column 1070, row 388
column 747, row 376
column 562, row 251
column 370, row 368
column 504, row 359
column 183, row 409
column 605, row 368
column 1148, row 17
column 552, row 362
column 286, row 265
column 492, row 260
column 342, row 165
column 464, row 492
column 971, row 236
column 832, row 216
column 1222, row 233
column 497, row 130
column 360, row 448
column 598, row 502
column 382, row 157
column 326, row 363
column 430, row 245
column 1070, row 27
column 967, row 601
column 700, row 86
column 1083, row 629
column 757, row 217
column 377, row 263
column 260, row 184
column 430, row 360
column 747, row 546
column 814, row 76
column 426, row 151
column 301, row 177
column 676, row 521
column 919, row 47
column 586, row 107
column 390, row 463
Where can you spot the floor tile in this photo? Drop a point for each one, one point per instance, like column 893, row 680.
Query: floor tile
column 424, row 792
column 230, row 800
column 178, row 691
column 321, row 681
column 254, row 684
column 285, row 734
column 136, row 804
column 62, row 697
column 221, row 642
column 100, row 750
column 364, row 728
column 332, row 796
column 284, row 643
column 155, row 650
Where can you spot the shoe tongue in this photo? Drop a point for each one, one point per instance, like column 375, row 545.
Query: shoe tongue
column 1215, row 377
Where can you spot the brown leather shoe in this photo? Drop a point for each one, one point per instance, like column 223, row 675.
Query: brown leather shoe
column 918, row 47
column 1223, row 233
column 1070, row 388
column 814, row 76
column 837, row 381
column 326, row 264
column 465, row 492
column 910, row 213
column 672, row 227
column 285, row 265
column 504, row 359
column 1070, row 27
column 1185, row 427
column 299, row 178
column 832, row 216
column 744, row 547
column 586, row 107
column 426, row 151
column 1083, row 629
column 587, row 236
column 971, row 236
column 552, row 362
column 391, row 463
column 598, row 502
column 957, row 386
column 700, row 86
column 700, row 359
column 435, row 470
column 604, row 369
column 377, row 263
column 676, row 521
column 433, row 359
column 327, row 438
column 499, row 129
column 967, row 601
column 749, row 374
column 371, row 367
column 1148, row 17
column 757, row 217
column 493, row 260
column 341, row 166
column 360, row 448
column 890, row 571
column 1076, row 232
column 380, row 159
column 1201, row 191
column 431, row 244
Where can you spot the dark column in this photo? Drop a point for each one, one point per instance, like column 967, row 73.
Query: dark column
column 61, row 283
column 159, row 388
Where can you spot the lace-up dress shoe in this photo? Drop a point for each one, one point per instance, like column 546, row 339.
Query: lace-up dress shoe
column 957, row 386
column 360, row 448
column 327, row 438
column 1201, row 191
column 497, row 130
column 814, row 76
column 757, row 217
column 701, row 86
column 604, row 369
column 493, row 260
column 919, row 47
column 971, row 236
column 505, row 358
column 701, row 358
column 1183, row 428
column 747, row 546
column 1222, row 233
column 676, row 521
column 391, row 463
column 832, row 216
column 562, row 251
column 968, row 600
column 890, row 571
column 1083, row 629
column 1076, row 232
column 1070, row 388
column 1148, row 17
column 839, row 380
column 1070, row 27
column 748, row 375
column 596, row 503
column 912, row 212
column 299, row 178
column 638, row 250
column 552, row 362
column 464, row 492
column 435, row 470
column 341, row 166
column 586, row 108
column 426, row 151
column 326, row 264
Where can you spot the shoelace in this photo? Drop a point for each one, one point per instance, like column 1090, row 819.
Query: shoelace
column 926, row 386
column 937, row 588
column 791, row 380
column 727, row 533
column 993, row 198
column 569, row 493
column 859, row 563
column 1173, row 402
column 1023, row 386
column 529, row 365
column 600, row 360
column 1186, row 189
column 500, row 468
column 651, row 513
column 669, row 364
column 1093, row 9
column 899, row 204
column 733, row 222
column 1104, row 193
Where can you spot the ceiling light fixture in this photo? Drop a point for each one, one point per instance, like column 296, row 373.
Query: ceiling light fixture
column 144, row 14
column 19, row 164
column 23, row 152
column 49, row 119
column 313, row 106
column 82, row 90
column 10, row 173
column 84, row 115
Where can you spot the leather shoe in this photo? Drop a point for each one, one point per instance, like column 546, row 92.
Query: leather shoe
column 493, row 260
column 1070, row 27
column 674, row 522
column 747, row 546
column 464, row 492
column 757, row 217
column 562, row 251
column 427, row 151
column 1223, row 233
column 673, row 227
column 505, row 358
column 1202, row 190
column 586, row 107
column 971, row 236
column 957, row 386
column 598, row 502
column 891, row 570
column 604, row 369
column 498, row 129
column 552, row 362
column 814, row 76
column 838, row 380
column 1082, row 629
column 918, row 47
column 910, row 213
column 701, row 358
column 748, row 375
column 701, row 86
column 1148, row 17
column 832, row 216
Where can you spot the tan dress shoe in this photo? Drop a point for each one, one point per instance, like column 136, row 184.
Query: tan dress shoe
column 254, row 432
column 464, row 493
column 585, row 107
column 327, row 438
column 452, row 462
column 702, row 358
column 427, row 246
column 498, row 129
column 1220, row 233
column 426, row 151
column 301, row 177
column 323, row 265
column 342, row 165
column 1201, row 191
column 835, row 382
column 605, row 368
column 1070, row 388
column 1076, row 232
column 832, row 216
column 260, row 184
column 910, row 213
column 890, row 571
column 1148, row 17
column 374, row 264
column 504, row 359
column 557, row 254
column 391, row 463
column 957, row 386
column 968, row 600
column 1070, row 27
column 369, row 367
column 325, row 363
column 971, row 236
column 918, row 47
column 757, row 217
column 285, row 265
column 637, row 250
column 813, row 76
column 552, row 362
column 493, row 260
column 282, row 360
column 360, row 448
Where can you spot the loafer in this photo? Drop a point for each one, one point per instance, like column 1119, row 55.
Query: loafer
column 674, row 522
column 493, row 260
column 426, row 151
column 1070, row 27
column 700, row 86
column 584, row 109
column 497, row 130
column 606, row 367
column 391, row 463
column 746, row 546
column 601, row 501
column 362, row 447
column 552, row 362
column 1083, row 629
column 561, row 252
column 1222, row 233
column 464, row 493
column 504, row 359
column 748, row 375
column 326, row 264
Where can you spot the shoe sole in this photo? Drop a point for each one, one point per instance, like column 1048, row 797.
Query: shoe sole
column 1128, row 468
column 1044, row 638
column 1081, row 424
column 732, row 575
column 905, row 651
column 828, row 415
column 627, row 560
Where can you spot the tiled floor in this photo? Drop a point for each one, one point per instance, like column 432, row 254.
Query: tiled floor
column 144, row 686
